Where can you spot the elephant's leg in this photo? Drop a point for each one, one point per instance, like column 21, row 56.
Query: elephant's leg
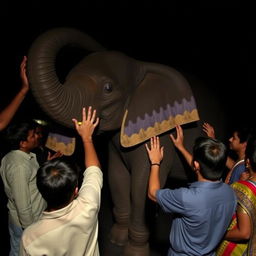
column 138, row 231
column 119, row 182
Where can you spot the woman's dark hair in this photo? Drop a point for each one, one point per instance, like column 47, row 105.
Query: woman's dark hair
column 243, row 132
column 211, row 154
column 56, row 181
column 250, row 152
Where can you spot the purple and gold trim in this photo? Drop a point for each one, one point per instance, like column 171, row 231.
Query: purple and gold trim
column 157, row 122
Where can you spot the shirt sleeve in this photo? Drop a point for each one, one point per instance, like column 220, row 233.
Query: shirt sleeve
column 21, row 194
column 171, row 200
column 90, row 190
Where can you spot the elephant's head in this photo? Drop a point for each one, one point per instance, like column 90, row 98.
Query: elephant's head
column 143, row 99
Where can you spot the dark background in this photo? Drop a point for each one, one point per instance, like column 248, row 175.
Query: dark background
column 211, row 40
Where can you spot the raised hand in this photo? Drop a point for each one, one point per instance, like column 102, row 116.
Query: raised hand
column 178, row 141
column 54, row 155
column 23, row 75
column 209, row 130
column 155, row 152
column 179, row 144
column 86, row 127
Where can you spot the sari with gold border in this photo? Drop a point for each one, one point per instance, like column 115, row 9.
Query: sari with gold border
column 246, row 197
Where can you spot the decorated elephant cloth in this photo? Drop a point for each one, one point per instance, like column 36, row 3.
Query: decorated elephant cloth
column 58, row 142
column 166, row 111
column 162, row 100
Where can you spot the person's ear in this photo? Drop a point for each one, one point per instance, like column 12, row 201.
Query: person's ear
column 196, row 166
column 76, row 192
column 23, row 144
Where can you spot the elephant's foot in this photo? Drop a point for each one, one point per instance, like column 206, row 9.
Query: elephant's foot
column 119, row 231
column 136, row 250
column 138, row 243
column 119, row 235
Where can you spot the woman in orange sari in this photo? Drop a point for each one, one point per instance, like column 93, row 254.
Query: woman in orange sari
column 240, row 239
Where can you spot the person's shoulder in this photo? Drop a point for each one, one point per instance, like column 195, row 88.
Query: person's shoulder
column 37, row 225
column 227, row 190
column 240, row 184
column 225, row 187
column 239, row 165
column 28, row 233
column 12, row 157
column 14, row 154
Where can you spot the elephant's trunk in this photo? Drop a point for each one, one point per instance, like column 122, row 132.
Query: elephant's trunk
column 52, row 96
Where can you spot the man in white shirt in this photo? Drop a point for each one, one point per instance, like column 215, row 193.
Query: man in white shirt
column 69, row 225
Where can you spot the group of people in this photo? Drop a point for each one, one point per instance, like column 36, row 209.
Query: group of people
column 50, row 214
column 212, row 217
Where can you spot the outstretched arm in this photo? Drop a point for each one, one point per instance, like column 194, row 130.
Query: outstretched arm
column 7, row 114
column 85, row 129
column 178, row 142
column 155, row 153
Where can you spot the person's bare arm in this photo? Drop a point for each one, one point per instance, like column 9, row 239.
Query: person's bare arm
column 230, row 163
column 8, row 112
column 178, row 142
column 85, row 129
column 155, row 153
column 243, row 229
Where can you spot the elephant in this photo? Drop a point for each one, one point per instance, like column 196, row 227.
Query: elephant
column 135, row 100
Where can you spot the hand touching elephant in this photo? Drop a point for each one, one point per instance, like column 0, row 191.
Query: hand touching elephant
column 135, row 100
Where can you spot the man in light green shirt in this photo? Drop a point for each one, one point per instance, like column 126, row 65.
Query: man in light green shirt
column 18, row 171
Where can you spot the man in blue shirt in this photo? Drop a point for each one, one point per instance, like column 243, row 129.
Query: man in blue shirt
column 203, row 211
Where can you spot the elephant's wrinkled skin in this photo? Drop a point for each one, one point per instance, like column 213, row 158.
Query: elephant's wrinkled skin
column 134, row 100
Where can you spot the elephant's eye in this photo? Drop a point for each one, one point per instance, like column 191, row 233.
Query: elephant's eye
column 107, row 87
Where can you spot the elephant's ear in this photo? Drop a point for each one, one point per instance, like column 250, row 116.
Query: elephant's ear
column 162, row 100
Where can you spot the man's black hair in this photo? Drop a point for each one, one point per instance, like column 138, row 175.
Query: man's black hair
column 211, row 154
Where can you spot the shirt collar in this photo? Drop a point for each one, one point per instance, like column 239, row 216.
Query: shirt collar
column 206, row 184
column 58, row 213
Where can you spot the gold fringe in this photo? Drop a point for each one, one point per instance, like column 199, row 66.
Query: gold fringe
column 158, row 128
